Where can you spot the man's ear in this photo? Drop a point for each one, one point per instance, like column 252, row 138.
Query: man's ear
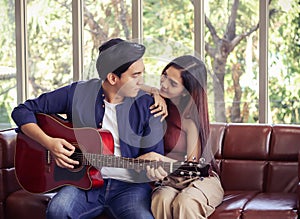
column 112, row 78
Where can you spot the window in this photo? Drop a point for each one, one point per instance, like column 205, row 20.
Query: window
column 231, row 48
column 8, row 91
column 103, row 20
column 167, row 33
column 168, row 29
column 49, row 29
column 284, row 52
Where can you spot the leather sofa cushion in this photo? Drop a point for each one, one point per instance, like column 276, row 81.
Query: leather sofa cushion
column 232, row 205
column 282, row 177
column 23, row 205
column 247, row 142
column 216, row 138
column 243, row 175
column 285, row 144
column 272, row 206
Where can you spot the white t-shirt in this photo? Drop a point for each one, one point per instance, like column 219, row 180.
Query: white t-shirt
column 110, row 123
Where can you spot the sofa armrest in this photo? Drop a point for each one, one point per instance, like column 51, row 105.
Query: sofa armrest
column 7, row 148
column 8, row 181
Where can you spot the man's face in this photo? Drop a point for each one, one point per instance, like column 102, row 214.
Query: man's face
column 131, row 80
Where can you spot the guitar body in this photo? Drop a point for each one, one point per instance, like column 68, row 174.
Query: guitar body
column 36, row 169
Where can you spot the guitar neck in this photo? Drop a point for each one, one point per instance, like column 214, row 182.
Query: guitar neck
column 99, row 160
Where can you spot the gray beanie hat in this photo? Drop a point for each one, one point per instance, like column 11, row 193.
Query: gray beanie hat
column 120, row 53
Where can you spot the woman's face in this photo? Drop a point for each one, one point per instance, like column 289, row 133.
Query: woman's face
column 171, row 85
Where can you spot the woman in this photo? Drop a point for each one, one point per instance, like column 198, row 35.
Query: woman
column 183, row 85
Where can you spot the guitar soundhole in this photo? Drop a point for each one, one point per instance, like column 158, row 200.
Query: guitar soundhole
column 77, row 155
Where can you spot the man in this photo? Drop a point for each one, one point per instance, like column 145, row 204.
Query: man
column 114, row 103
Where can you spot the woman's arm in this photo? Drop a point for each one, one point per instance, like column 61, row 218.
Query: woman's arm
column 193, row 141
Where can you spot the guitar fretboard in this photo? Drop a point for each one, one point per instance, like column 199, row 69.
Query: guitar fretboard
column 99, row 161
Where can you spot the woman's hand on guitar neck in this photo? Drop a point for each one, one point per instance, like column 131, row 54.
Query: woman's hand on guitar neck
column 59, row 148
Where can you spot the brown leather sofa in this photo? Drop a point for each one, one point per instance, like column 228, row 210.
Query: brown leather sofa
column 259, row 166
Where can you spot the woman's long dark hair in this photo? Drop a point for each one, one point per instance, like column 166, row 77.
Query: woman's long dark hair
column 194, row 105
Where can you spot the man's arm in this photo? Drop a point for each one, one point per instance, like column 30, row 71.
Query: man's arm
column 159, row 173
column 53, row 102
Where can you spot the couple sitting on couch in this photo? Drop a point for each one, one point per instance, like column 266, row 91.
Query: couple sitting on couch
column 115, row 102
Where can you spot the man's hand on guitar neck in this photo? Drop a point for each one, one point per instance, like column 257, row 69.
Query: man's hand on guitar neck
column 158, row 173
column 59, row 148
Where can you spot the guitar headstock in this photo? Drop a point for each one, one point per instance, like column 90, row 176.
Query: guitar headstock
column 191, row 169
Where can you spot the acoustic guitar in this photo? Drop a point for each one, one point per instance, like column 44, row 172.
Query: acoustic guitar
column 37, row 171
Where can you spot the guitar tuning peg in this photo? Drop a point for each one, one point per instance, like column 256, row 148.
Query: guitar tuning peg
column 185, row 158
column 202, row 160
column 182, row 173
column 198, row 173
column 190, row 173
column 194, row 158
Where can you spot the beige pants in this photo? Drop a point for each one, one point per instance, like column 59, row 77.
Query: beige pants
column 197, row 201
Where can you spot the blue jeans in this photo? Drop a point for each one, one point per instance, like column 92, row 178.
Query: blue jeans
column 122, row 200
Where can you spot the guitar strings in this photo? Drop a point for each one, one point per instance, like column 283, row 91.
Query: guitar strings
column 182, row 168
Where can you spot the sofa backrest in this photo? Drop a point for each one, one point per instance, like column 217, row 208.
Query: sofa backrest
column 258, row 157
column 283, row 159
